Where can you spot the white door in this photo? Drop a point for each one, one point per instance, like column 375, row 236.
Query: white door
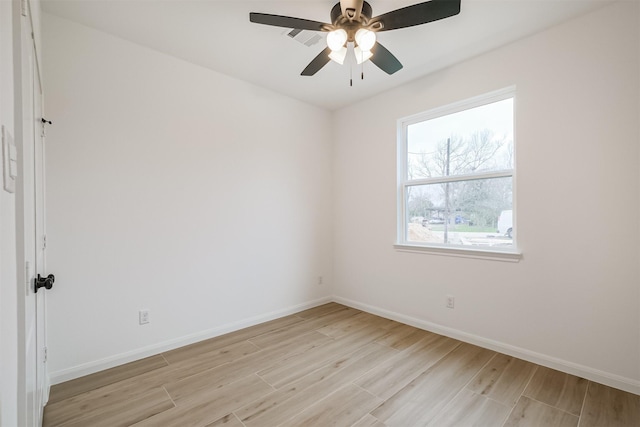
column 35, row 383
column 40, row 247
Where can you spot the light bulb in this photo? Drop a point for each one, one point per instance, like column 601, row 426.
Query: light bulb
column 336, row 39
column 338, row 55
column 361, row 55
column 365, row 39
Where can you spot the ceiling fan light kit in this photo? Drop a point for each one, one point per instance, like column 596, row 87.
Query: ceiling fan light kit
column 365, row 39
column 361, row 54
column 336, row 39
column 339, row 55
column 353, row 24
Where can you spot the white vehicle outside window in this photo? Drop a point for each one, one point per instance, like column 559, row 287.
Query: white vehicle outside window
column 505, row 223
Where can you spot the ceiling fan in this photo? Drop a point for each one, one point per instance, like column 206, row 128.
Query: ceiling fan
column 352, row 26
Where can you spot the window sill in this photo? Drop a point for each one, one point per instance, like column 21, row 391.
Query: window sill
column 492, row 255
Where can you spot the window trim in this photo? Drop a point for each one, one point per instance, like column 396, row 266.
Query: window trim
column 459, row 251
column 511, row 254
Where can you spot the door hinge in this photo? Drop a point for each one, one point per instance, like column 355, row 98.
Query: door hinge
column 44, row 242
column 24, row 7
column 46, row 354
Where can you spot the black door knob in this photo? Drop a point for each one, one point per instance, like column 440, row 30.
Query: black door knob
column 44, row 282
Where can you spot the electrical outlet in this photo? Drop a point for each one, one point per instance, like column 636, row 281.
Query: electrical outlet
column 143, row 316
column 451, row 301
column 320, row 280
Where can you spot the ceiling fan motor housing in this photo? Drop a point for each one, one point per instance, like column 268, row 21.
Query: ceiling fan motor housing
column 351, row 26
column 336, row 12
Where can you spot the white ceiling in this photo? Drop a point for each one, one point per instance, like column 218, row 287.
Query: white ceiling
column 218, row 35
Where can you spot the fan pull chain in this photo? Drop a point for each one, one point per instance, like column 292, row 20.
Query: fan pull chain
column 350, row 75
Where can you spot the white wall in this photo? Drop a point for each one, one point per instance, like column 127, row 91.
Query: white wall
column 175, row 189
column 573, row 301
column 208, row 201
column 8, row 297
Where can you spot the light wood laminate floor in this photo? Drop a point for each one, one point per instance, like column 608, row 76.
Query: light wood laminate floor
column 334, row 365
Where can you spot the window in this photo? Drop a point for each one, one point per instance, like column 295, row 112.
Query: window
column 455, row 173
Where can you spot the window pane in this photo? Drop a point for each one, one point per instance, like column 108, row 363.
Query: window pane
column 471, row 213
column 479, row 139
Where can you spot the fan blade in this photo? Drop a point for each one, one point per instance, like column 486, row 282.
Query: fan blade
column 318, row 62
column 418, row 14
column 287, row 22
column 385, row 59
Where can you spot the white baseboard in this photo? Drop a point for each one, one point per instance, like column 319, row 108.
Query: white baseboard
column 606, row 378
column 120, row 359
column 612, row 380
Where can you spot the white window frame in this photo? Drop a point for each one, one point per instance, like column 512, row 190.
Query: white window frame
column 402, row 244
